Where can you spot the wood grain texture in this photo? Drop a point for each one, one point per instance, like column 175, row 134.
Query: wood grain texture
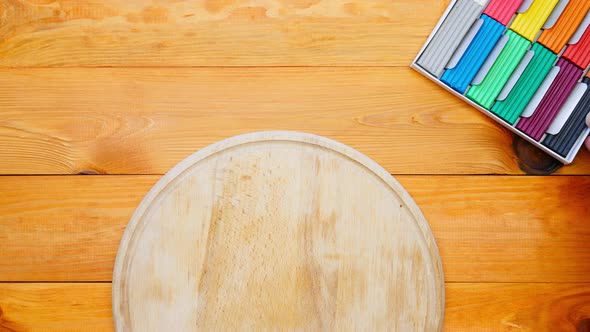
column 60, row 114
column 214, row 32
column 65, row 228
column 55, row 307
column 277, row 231
column 488, row 228
column 144, row 121
column 536, row 307
column 518, row 307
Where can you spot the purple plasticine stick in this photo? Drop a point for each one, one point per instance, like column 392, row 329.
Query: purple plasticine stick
column 562, row 86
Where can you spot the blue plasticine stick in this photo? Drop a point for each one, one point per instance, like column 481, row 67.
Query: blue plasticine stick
column 483, row 43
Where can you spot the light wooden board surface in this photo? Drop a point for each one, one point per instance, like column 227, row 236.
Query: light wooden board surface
column 469, row 307
column 278, row 231
column 133, row 87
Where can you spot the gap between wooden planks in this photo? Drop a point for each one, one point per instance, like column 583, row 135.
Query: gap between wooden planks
column 145, row 120
column 488, row 228
column 482, row 307
column 215, row 33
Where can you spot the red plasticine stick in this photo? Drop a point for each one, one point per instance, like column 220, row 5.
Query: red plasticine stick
column 562, row 86
column 579, row 53
column 502, row 10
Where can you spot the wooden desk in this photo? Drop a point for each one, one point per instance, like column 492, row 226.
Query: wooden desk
column 126, row 89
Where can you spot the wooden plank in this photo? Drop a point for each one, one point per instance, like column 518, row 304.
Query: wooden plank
column 469, row 307
column 59, row 122
column 55, row 307
column 65, row 228
column 215, row 32
column 507, row 229
column 488, row 228
column 517, row 307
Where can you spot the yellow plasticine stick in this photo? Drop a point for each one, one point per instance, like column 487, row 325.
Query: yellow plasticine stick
column 529, row 23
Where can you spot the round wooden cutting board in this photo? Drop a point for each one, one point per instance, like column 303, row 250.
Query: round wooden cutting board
column 281, row 231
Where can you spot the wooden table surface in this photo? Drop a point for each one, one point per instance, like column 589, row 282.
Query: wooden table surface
column 98, row 99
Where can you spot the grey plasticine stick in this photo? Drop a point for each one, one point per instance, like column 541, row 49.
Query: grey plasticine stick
column 449, row 35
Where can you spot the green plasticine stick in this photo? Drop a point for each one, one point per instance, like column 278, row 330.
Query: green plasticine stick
column 510, row 108
column 485, row 93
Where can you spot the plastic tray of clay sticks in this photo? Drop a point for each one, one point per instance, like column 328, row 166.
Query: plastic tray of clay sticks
column 524, row 63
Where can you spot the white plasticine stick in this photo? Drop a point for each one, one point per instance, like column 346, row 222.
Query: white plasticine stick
column 487, row 65
column 464, row 44
column 524, row 6
column 536, row 100
column 581, row 29
column 555, row 14
column 567, row 108
column 516, row 75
